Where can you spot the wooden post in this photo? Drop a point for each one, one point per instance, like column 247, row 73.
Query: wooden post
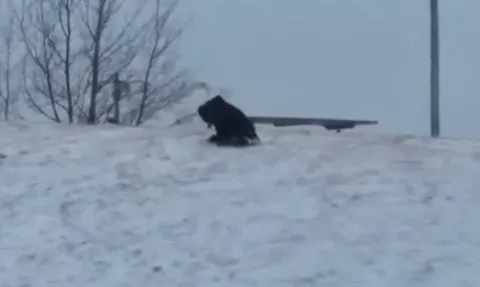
column 116, row 95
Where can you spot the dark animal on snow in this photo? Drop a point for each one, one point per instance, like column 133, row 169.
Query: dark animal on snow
column 231, row 125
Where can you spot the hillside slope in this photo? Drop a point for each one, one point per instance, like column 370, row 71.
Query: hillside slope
column 111, row 207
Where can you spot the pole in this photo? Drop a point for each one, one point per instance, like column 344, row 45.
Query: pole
column 434, row 70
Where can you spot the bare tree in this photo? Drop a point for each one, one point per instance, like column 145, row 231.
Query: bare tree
column 155, row 81
column 157, row 50
column 8, row 65
column 42, row 67
column 76, row 50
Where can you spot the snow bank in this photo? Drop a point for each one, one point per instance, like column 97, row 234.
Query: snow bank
column 112, row 206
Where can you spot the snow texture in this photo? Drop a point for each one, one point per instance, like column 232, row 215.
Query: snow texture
column 149, row 207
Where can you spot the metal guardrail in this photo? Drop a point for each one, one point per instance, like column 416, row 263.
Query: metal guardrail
column 329, row 124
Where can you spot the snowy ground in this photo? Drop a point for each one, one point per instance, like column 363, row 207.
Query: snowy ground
column 114, row 207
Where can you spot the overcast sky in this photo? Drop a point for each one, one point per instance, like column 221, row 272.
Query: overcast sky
column 364, row 59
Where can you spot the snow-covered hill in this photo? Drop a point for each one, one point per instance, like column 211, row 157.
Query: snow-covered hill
column 111, row 207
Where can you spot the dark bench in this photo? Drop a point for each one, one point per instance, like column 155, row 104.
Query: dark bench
column 329, row 124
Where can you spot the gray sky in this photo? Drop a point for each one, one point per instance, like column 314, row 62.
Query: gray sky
column 340, row 58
